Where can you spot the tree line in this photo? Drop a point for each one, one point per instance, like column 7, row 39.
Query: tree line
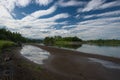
column 11, row 36
column 15, row 36
column 60, row 40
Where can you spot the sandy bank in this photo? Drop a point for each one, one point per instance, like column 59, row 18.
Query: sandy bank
column 76, row 66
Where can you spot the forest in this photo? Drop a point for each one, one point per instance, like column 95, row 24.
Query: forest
column 11, row 36
column 15, row 37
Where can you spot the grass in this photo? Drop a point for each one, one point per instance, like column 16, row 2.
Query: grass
column 5, row 44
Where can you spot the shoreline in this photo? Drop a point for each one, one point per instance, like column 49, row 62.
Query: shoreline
column 97, row 56
column 61, row 65
column 76, row 65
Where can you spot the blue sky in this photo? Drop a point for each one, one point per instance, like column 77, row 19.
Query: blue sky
column 86, row 19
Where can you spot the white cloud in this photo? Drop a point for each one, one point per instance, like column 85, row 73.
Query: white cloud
column 100, row 21
column 23, row 13
column 31, row 25
column 110, row 4
column 93, row 4
column 106, row 14
column 43, row 2
column 104, row 28
column 79, row 10
column 40, row 13
column 88, row 31
column 100, row 4
column 59, row 16
column 10, row 4
column 22, row 3
column 4, row 13
column 62, row 3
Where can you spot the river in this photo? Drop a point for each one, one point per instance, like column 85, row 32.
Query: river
column 112, row 51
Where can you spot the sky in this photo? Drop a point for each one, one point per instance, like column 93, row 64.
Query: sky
column 86, row 19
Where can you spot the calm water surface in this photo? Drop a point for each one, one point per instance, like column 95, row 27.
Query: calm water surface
column 34, row 54
column 111, row 51
column 38, row 55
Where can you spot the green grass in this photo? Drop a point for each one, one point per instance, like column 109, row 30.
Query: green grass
column 5, row 44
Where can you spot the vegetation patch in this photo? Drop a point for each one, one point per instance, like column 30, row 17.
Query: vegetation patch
column 58, row 40
column 5, row 44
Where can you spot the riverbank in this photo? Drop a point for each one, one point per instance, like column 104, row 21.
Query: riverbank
column 13, row 66
column 61, row 65
column 77, row 65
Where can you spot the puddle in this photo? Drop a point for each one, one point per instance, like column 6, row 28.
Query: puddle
column 107, row 64
column 34, row 54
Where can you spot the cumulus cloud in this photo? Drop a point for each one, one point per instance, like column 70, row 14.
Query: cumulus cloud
column 10, row 4
column 106, row 14
column 110, row 4
column 43, row 2
column 32, row 24
column 79, row 10
column 88, row 31
column 4, row 13
column 59, row 16
column 101, row 21
column 105, row 28
column 99, row 4
column 62, row 3
column 22, row 3
column 40, row 13
column 93, row 4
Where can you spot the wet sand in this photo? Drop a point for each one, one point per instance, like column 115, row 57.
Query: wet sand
column 62, row 65
column 76, row 65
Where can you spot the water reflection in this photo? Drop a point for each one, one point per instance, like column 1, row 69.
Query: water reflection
column 70, row 46
column 112, row 51
column 101, row 50
column 107, row 64
column 34, row 54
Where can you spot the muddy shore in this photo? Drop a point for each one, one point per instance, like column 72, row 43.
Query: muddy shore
column 61, row 65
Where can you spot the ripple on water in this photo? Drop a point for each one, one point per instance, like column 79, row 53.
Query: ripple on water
column 107, row 64
column 34, row 54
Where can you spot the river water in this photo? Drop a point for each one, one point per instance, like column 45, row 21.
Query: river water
column 34, row 54
column 112, row 51
column 38, row 55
